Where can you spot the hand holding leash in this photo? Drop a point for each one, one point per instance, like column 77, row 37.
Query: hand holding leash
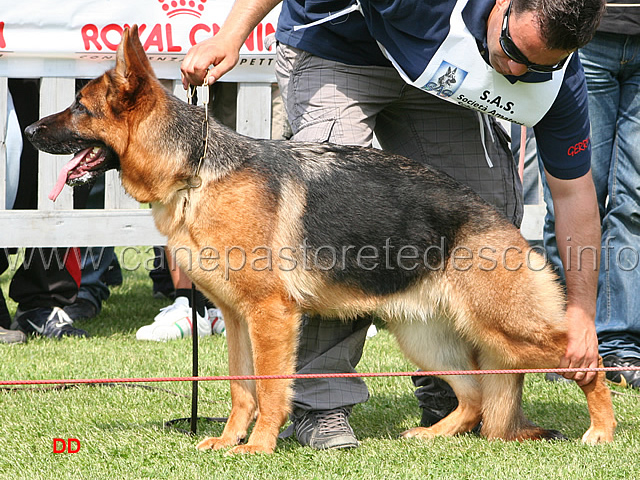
column 208, row 61
column 223, row 50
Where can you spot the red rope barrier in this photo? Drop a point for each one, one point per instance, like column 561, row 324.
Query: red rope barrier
column 312, row 375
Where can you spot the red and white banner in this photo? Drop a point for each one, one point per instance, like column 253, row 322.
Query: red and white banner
column 78, row 38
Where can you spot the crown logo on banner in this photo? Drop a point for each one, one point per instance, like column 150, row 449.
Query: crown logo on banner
column 183, row 7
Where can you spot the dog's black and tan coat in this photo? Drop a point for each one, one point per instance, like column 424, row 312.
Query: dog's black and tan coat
column 279, row 229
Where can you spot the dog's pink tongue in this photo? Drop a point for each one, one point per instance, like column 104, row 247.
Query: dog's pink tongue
column 62, row 176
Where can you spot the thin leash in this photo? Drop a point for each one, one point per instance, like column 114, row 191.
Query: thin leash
column 300, row 376
column 192, row 98
column 195, row 182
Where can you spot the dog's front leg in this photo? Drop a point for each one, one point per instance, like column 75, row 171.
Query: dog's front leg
column 243, row 392
column 273, row 328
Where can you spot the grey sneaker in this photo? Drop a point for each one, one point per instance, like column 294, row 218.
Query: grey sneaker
column 324, row 429
column 12, row 336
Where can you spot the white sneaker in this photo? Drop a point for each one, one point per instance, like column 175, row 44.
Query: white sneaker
column 174, row 322
column 372, row 331
column 217, row 322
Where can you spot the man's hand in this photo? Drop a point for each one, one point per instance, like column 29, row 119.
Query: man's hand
column 223, row 50
column 217, row 51
column 582, row 347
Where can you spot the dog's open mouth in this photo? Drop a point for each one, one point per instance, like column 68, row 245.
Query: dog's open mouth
column 85, row 165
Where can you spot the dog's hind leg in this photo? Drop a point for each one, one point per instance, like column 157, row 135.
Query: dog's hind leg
column 463, row 419
column 603, row 423
column 502, row 398
column 433, row 345
column 502, row 415
column 273, row 327
column 243, row 392
column 502, row 394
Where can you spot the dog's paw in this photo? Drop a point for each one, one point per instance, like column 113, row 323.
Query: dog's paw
column 418, row 432
column 215, row 443
column 248, row 448
column 595, row 436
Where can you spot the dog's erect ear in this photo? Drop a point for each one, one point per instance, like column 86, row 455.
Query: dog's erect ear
column 132, row 65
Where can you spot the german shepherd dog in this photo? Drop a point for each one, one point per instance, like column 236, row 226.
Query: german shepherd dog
column 283, row 229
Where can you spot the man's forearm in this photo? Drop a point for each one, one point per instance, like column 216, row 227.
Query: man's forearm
column 578, row 233
column 244, row 17
column 578, row 237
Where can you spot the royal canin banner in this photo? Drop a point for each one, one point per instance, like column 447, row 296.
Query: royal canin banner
column 79, row 38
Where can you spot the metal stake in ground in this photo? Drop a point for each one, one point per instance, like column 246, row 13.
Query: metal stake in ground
column 193, row 420
column 194, row 384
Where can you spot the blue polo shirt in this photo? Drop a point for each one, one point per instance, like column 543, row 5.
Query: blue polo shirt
column 412, row 31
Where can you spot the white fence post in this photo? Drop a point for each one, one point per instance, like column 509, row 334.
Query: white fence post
column 4, row 92
column 254, row 110
column 56, row 94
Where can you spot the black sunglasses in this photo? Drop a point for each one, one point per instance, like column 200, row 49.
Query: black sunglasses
column 514, row 53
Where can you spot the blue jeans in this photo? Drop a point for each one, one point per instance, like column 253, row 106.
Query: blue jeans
column 612, row 67
column 95, row 263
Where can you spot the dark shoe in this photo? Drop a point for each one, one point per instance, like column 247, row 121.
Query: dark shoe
column 81, row 309
column 623, row 378
column 556, row 377
column 12, row 336
column 164, row 295
column 113, row 276
column 5, row 316
column 437, row 410
column 431, row 416
column 435, row 397
column 437, row 400
column 324, row 429
column 48, row 322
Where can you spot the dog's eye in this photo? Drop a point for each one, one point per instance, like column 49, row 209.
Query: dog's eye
column 78, row 107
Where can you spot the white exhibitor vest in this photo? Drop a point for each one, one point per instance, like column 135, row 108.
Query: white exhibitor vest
column 458, row 73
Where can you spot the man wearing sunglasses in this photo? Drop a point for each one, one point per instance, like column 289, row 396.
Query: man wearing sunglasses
column 429, row 78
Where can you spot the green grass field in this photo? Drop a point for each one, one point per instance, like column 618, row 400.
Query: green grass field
column 122, row 434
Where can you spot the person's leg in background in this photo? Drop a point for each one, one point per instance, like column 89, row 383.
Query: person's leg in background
column 162, row 283
column 612, row 69
column 5, row 317
column 47, row 281
column 7, row 335
column 12, row 139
